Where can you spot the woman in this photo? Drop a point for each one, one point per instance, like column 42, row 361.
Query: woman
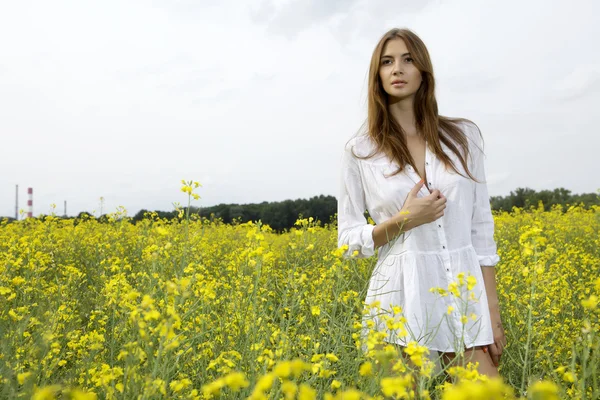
column 421, row 177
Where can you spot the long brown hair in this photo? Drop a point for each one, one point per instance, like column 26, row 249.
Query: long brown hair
column 388, row 135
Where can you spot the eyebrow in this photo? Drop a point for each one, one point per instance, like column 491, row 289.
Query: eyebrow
column 388, row 56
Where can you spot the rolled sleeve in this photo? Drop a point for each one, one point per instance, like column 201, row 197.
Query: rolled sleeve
column 482, row 223
column 353, row 228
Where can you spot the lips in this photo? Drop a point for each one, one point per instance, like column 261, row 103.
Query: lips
column 398, row 81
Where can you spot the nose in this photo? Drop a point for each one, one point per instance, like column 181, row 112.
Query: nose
column 397, row 69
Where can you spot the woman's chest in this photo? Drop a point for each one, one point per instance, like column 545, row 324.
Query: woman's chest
column 417, row 147
column 385, row 193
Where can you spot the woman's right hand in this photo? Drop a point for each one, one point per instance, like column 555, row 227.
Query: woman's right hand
column 422, row 210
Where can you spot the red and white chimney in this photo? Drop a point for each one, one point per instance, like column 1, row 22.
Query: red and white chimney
column 30, row 202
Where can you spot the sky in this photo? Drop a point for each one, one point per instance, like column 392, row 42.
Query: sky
column 255, row 99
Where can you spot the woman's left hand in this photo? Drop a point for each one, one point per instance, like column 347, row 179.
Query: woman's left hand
column 497, row 347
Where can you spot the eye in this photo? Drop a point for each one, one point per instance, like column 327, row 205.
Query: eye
column 385, row 61
column 409, row 58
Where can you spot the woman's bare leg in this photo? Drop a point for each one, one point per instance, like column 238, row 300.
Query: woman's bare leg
column 474, row 354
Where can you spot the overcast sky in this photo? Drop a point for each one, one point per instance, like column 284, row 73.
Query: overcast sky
column 256, row 99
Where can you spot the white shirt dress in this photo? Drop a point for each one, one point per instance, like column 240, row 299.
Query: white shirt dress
column 429, row 256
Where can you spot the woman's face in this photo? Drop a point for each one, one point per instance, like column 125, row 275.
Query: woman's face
column 399, row 76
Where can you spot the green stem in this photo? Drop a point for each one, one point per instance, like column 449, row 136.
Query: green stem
column 529, row 333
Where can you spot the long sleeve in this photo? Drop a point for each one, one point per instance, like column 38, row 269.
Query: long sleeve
column 353, row 228
column 482, row 223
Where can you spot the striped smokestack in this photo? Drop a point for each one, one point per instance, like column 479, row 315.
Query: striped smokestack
column 30, row 202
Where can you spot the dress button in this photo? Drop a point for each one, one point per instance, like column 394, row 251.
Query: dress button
column 440, row 226
column 444, row 247
column 426, row 163
column 447, row 269
column 429, row 183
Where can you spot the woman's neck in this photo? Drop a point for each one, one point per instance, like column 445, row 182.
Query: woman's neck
column 403, row 112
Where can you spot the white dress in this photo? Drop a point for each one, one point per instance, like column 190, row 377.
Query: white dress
column 428, row 256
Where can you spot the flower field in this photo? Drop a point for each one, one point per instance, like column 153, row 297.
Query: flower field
column 197, row 309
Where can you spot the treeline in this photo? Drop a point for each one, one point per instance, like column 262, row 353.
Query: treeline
column 279, row 215
column 282, row 215
column 526, row 198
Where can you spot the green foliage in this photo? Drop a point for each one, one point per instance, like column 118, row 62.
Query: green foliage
column 526, row 198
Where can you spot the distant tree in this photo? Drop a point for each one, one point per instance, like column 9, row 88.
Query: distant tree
column 139, row 216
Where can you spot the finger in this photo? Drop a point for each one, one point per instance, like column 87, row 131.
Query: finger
column 416, row 188
column 440, row 200
column 494, row 354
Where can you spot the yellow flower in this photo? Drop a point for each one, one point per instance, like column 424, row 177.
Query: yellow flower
column 450, row 309
column 471, row 281
column 315, row 310
column 298, row 366
column 350, row 394
column 590, row 303
column 265, row 382
column 326, row 373
column 569, row 377
column 289, row 389
column 306, row 392
column 376, row 304
column 18, row 280
column 179, row 385
column 544, row 390
column 539, row 270
column 416, row 352
column 22, row 377
column 236, row 381
column 366, row 369
column 335, row 384
column 283, row 369
column 331, row 357
column 453, row 288
column 396, row 386
column 76, row 394
column 46, row 393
